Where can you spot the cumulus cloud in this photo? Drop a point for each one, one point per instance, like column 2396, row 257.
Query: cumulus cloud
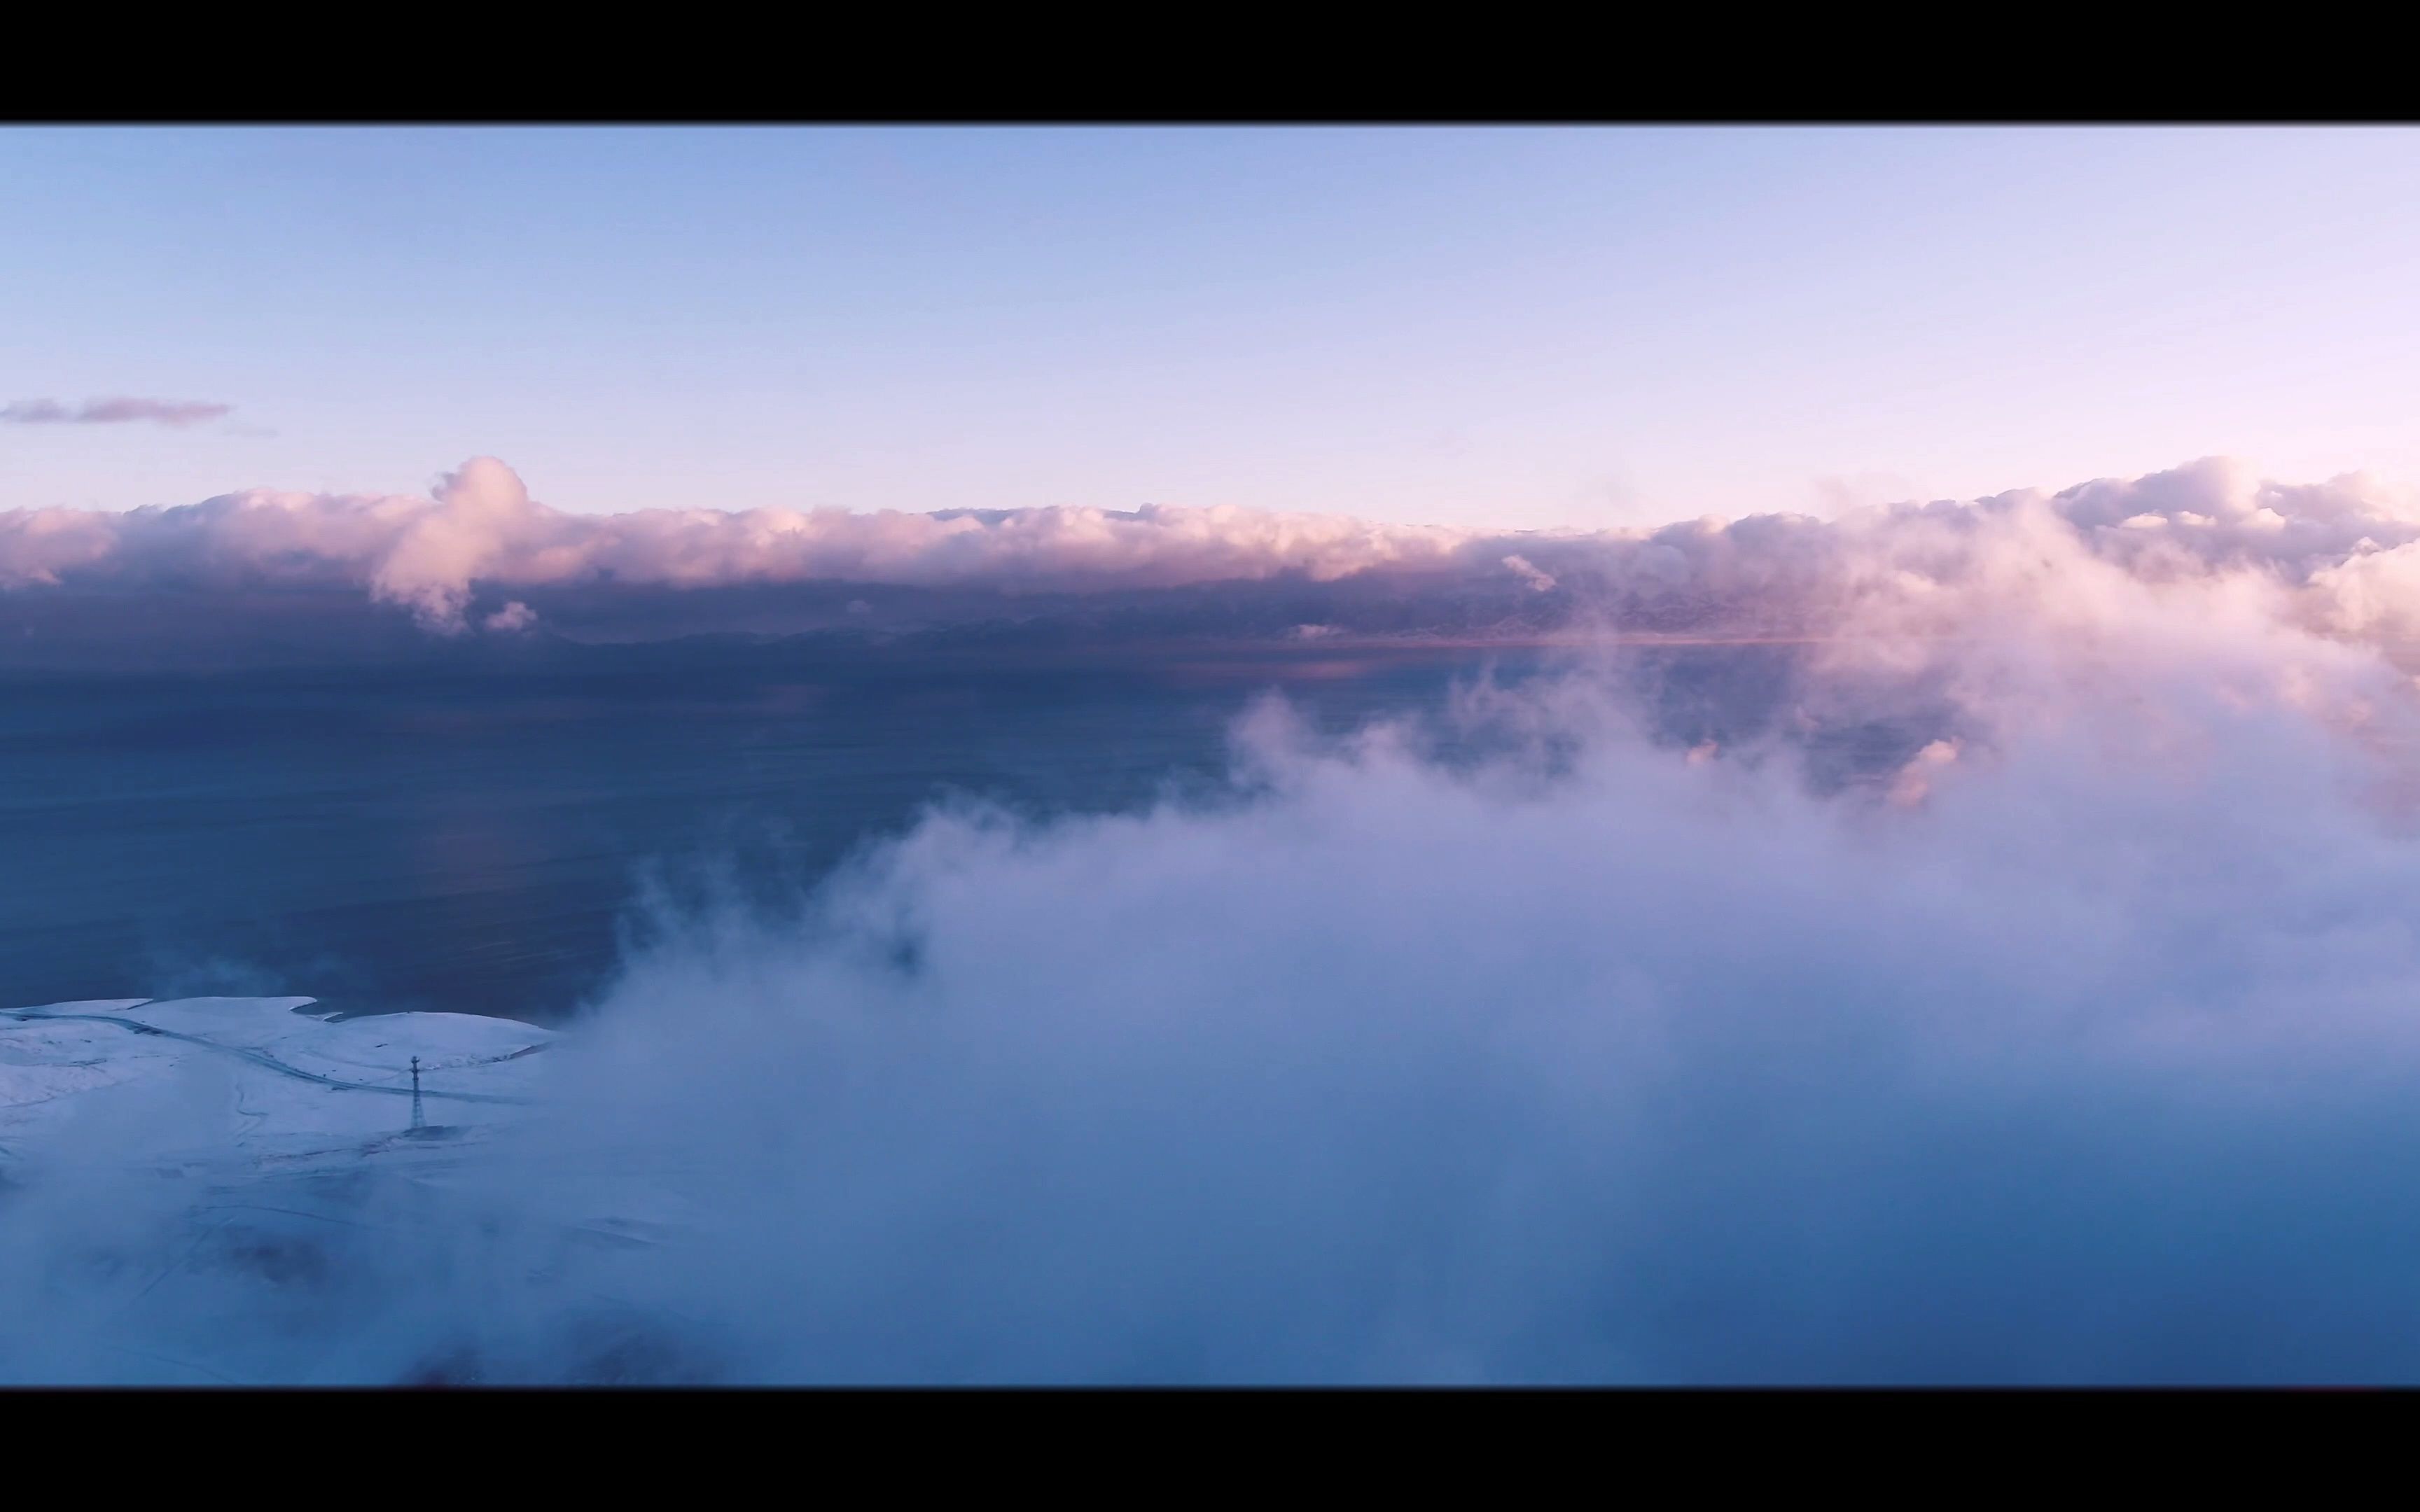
column 118, row 412
column 2337, row 552
column 481, row 527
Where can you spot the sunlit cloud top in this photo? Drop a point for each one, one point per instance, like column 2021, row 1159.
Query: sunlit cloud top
column 479, row 552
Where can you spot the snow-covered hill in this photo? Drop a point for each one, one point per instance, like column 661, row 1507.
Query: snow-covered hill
column 261, row 1078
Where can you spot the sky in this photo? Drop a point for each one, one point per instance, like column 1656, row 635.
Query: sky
column 1476, row 327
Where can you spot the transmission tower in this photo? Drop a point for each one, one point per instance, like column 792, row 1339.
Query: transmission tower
column 419, row 1120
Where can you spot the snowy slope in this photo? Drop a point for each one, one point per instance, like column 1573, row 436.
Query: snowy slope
column 253, row 1076
column 224, row 1190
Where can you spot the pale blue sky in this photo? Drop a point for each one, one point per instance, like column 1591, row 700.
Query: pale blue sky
column 1507, row 325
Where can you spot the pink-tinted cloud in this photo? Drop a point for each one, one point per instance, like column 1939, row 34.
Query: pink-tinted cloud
column 481, row 527
column 2342, row 557
column 116, row 411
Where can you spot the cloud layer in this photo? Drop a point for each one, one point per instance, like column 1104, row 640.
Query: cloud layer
column 118, row 412
column 2076, row 1042
column 1511, row 1046
column 2340, row 554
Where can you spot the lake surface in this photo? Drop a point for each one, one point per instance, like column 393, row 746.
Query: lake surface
column 390, row 838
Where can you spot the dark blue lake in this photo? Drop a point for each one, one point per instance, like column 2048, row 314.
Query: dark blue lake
column 467, row 839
